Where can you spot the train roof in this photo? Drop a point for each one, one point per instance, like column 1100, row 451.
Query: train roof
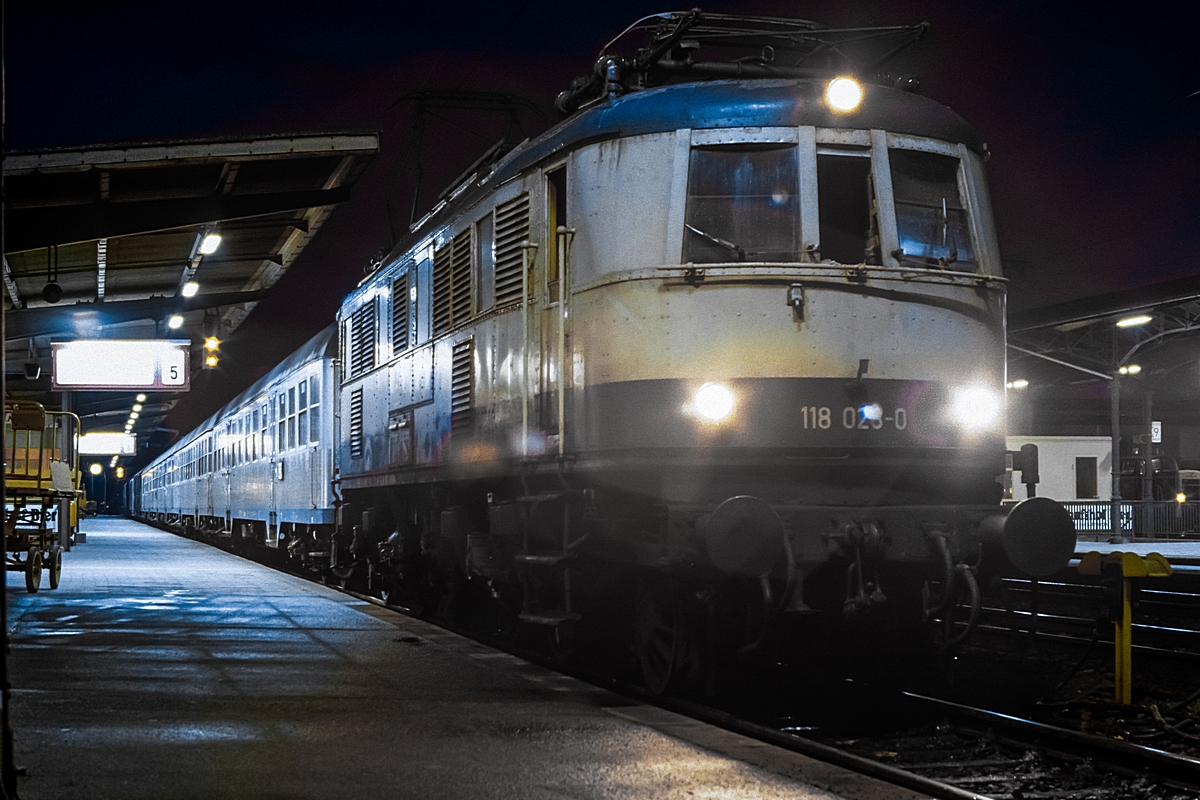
column 745, row 103
column 323, row 345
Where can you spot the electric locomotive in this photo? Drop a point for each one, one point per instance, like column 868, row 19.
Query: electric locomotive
column 723, row 350
column 732, row 334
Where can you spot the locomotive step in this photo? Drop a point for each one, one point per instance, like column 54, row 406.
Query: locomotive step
column 551, row 618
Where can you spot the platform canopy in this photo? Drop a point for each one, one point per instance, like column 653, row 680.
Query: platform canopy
column 102, row 241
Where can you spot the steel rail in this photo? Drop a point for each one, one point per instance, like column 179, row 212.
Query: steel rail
column 1180, row 770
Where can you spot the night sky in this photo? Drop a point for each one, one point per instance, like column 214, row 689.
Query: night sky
column 1091, row 116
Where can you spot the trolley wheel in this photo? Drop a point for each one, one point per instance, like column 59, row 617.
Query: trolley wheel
column 56, row 554
column 33, row 570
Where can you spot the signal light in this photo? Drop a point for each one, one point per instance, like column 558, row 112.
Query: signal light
column 212, row 344
column 210, row 361
column 120, row 472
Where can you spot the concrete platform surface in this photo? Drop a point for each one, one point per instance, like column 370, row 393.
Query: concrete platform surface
column 164, row 668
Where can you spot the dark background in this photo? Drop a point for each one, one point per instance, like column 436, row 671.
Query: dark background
column 1090, row 114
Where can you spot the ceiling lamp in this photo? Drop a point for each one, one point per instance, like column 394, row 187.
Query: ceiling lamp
column 1134, row 321
column 210, row 244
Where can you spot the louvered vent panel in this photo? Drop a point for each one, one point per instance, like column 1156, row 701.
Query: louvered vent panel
column 400, row 314
column 452, row 283
column 441, row 290
column 462, row 387
column 460, row 268
column 362, row 339
column 512, row 231
column 356, row 423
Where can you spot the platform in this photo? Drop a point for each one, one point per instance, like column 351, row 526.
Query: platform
column 162, row 667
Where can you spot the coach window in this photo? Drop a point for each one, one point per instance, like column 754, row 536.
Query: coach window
column 314, row 411
column 281, row 431
column 263, row 429
column 849, row 230
column 302, row 413
column 291, row 426
column 556, row 217
column 742, row 204
column 931, row 220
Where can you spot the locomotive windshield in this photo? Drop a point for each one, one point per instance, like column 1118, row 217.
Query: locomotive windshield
column 742, row 205
column 930, row 218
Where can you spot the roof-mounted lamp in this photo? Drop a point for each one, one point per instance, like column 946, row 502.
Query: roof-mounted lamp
column 844, row 94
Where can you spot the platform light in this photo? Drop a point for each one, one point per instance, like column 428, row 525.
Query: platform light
column 1019, row 383
column 137, row 406
column 189, row 289
column 141, row 398
column 844, row 94
column 712, row 402
column 1134, row 321
column 175, row 322
column 95, row 468
column 209, row 244
column 113, row 463
column 134, row 415
column 871, row 412
column 1130, row 369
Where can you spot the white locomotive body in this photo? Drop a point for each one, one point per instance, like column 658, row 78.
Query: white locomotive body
column 705, row 345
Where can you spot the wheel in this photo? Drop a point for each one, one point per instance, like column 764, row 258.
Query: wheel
column 56, row 554
column 33, row 570
column 656, row 635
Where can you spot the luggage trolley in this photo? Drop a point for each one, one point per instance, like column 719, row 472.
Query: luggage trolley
column 41, row 472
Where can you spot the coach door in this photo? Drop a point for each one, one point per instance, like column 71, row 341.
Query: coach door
column 208, row 461
column 274, row 434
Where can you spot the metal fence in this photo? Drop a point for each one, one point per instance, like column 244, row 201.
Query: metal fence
column 1143, row 518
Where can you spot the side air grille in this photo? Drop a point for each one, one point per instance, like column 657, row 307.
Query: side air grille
column 512, row 231
column 362, row 339
column 400, row 306
column 356, row 423
column 452, row 283
column 462, row 388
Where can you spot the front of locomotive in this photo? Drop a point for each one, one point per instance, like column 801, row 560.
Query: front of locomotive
column 818, row 380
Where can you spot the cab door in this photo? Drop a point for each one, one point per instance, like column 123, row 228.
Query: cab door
column 552, row 337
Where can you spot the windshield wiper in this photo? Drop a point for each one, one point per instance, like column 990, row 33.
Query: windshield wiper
column 730, row 246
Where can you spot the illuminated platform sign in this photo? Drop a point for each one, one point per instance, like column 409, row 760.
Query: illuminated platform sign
column 116, row 364
column 103, row 443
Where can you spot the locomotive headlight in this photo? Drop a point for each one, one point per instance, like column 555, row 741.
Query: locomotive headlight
column 844, row 94
column 712, row 402
column 975, row 407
